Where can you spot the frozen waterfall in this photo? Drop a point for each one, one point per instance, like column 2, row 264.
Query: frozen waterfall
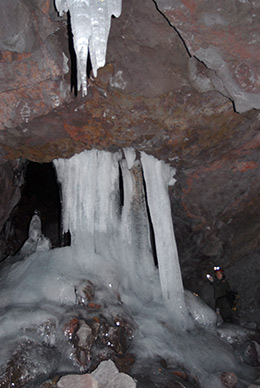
column 90, row 23
column 105, row 207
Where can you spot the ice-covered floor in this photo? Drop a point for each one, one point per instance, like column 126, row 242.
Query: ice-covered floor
column 42, row 288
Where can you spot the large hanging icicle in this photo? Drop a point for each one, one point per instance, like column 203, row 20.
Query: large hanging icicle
column 158, row 176
column 134, row 229
column 90, row 22
column 89, row 203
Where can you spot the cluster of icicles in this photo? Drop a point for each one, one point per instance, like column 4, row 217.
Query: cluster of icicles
column 108, row 199
column 90, row 23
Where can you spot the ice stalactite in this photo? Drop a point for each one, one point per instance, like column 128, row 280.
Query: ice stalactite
column 90, row 22
column 97, row 218
column 158, row 176
column 89, row 193
column 134, row 228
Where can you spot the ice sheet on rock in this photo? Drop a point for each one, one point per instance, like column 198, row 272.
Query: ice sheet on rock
column 41, row 287
column 198, row 351
column 157, row 177
column 90, row 21
column 234, row 333
column 201, row 313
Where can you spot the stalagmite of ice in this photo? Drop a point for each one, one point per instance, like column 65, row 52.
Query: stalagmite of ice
column 90, row 22
column 158, row 176
column 36, row 240
column 35, row 227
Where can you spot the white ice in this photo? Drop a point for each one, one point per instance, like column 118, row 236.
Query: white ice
column 111, row 247
column 90, row 22
column 36, row 240
column 158, row 176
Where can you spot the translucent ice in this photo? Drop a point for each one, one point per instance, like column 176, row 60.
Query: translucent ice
column 95, row 216
column 90, row 22
column 35, row 228
column 202, row 314
column 36, row 240
column 158, row 176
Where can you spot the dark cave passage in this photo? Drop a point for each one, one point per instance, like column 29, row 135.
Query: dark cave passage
column 41, row 192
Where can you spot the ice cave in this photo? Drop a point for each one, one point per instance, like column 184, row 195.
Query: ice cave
column 129, row 182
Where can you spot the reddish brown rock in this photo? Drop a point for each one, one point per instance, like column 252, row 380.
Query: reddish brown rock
column 229, row 379
column 225, row 37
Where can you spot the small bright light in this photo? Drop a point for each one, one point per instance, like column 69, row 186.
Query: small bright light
column 110, row 285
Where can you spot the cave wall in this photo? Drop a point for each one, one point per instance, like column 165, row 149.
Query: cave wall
column 181, row 82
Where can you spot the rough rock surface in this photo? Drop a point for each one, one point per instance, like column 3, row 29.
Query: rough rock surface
column 223, row 36
column 77, row 381
column 174, row 74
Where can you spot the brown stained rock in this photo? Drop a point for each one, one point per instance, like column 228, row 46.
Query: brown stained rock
column 124, row 362
column 225, row 37
column 29, row 362
column 32, row 63
column 229, row 379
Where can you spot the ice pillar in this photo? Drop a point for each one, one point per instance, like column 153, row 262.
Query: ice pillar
column 89, row 183
column 90, row 23
column 158, row 176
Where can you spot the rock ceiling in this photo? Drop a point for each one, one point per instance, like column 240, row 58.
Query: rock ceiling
column 182, row 82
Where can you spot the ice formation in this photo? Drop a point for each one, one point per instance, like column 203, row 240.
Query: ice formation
column 158, row 176
column 36, row 240
column 94, row 214
column 106, row 207
column 90, row 22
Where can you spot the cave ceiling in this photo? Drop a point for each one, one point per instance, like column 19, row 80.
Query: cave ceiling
column 181, row 82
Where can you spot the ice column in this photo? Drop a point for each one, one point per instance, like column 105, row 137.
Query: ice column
column 137, row 254
column 89, row 203
column 158, row 176
column 90, row 22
